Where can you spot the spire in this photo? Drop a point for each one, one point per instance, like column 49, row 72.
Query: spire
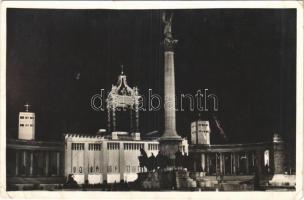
column 26, row 107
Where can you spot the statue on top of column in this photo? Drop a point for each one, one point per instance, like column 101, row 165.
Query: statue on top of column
column 169, row 42
column 168, row 23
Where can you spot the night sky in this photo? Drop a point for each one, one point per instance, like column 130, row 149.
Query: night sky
column 58, row 59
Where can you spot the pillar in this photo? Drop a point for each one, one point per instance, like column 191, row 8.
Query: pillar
column 237, row 163
column 169, row 92
column 216, row 171
column 208, row 163
column 31, row 163
column 17, row 163
column 47, row 163
column 24, row 162
column 221, row 163
column 247, row 164
column 203, row 158
column 57, row 163
column 170, row 141
column 231, row 163
column 234, row 163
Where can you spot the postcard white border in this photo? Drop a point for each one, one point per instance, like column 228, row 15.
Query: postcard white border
column 298, row 194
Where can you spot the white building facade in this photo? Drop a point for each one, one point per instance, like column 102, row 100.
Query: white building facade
column 97, row 159
column 102, row 158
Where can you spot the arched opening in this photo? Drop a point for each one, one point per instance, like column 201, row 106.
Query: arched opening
column 123, row 120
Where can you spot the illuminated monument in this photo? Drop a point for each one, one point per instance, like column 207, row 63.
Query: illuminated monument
column 170, row 141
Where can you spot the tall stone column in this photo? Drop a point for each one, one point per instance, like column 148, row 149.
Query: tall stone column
column 170, row 142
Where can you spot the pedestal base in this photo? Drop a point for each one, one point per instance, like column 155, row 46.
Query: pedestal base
column 170, row 145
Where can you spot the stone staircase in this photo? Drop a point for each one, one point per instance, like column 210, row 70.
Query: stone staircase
column 229, row 183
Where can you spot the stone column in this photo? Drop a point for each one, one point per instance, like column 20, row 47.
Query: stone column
column 203, row 158
column 17, row 163
column 57, row 163
column 221, row 163
column 31, row 163
column 238, row 163
column 216, row 163
column 24, row 167
column 170, row 141
column 208, row 163
column 47, row 157
column 247, row 164
column 231, row 165
column 169, row 91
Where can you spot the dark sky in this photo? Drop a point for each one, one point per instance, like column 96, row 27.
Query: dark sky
column 246, row 57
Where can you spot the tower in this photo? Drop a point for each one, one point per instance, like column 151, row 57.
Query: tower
column 279, row 154
column 170, row 141
column 26, row 125
column 200, row 132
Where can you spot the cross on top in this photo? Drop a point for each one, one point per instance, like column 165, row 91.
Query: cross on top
column 26, row 107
